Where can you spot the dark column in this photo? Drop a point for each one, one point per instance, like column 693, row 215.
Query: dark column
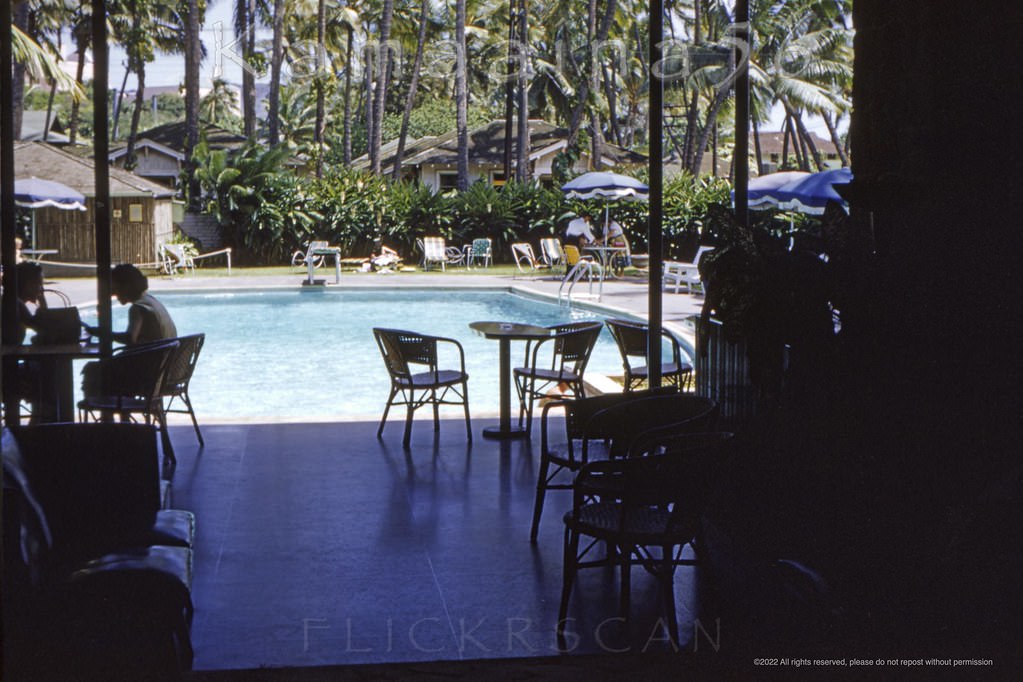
column 656, row 181
column 101, row 147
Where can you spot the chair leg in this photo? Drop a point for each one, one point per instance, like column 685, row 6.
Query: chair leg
column 465, row 405
column 541, row 493
column 624, row 557
column 568, row 578
column 409, row 411
column 436, row 410
column 169, row 460
column 195, row 422
column 387, row 408
column 666, row 579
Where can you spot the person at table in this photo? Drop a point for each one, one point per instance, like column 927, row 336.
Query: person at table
column 28, row 280
column 614, row 235
column 580, row 229
column 148, row 319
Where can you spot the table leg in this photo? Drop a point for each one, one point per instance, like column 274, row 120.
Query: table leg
column 311, row 269
column 337, row 268
column 505, row 429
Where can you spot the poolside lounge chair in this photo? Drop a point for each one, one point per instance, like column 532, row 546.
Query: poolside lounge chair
column 434, row 251
column 481, row 250
column 174, row 257
column 303, row 258
column 681, row 274
column 553, row 254
column 401, row 351
column 525, row 259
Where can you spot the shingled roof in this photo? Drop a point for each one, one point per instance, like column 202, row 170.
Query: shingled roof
column 486, row 146
column 41, row 160
column 171, row 137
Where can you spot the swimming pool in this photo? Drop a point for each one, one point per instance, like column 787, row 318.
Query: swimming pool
column 297, row 355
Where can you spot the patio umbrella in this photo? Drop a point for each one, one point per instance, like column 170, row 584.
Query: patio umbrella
column 37, row 193
column 763, row 187
column 607, row 186
column 812, row 193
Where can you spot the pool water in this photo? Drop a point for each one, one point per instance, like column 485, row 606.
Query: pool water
column 296, row 355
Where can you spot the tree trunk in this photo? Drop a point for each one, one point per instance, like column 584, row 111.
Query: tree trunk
column 756, row 146
column 81, row 45
column 276, row 62
column 49, row 109
column 509, row 89
column 321, row 109
column 522, row 148
column 584, row 90
column 410, row 99
column 193, row 56
column 115, row 128
column 809, row 148
column 461, row 97
column 245, row 31
column 140, row 100
column 835, row 140
column 348, row 99
column 709, row 124
column 380, row 89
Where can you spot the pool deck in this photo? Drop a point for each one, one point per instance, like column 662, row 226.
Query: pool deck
column 320, row 545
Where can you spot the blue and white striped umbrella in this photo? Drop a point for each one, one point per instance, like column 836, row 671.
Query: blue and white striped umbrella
column 605, row 185
column 38, row 193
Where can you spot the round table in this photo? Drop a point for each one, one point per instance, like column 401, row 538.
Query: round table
column 505, row 333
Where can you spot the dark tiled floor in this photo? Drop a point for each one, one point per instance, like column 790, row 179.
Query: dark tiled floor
column 320, row 545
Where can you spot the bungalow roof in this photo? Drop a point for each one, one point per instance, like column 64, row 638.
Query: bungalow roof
column 41, row 160
column 486, row 146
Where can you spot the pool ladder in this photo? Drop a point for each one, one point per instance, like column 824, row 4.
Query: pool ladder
column 584, row 268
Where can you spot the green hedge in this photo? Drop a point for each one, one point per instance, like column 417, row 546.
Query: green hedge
column 270, row 215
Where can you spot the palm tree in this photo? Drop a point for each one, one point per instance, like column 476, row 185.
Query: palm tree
column 410, row 97
column 245, row 31
column 380, row 86
column 461, row 97
column 276, row 63
column 219, row 104
column 193, row 56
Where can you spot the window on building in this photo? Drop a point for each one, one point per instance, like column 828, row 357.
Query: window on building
column 447, row 180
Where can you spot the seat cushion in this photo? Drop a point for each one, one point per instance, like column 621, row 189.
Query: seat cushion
column 444, row 377
column 547, row 374
column 644, row 525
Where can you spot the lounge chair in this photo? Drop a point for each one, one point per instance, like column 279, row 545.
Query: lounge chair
column 174, row 257
column 525, row 258
column 681, row 274
column 481, row 250
column 301, row 259
column 434, row 251
column 553, row 254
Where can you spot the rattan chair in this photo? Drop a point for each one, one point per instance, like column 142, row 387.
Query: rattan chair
column 131, row 383
column 402, row 350
column 609, row 426
column 179, row 375
column 632, row 338
column 555, row 364
column 645, row 509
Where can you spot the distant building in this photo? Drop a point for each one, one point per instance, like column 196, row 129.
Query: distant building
column 33, row 128
column 160, row 151
column 140, row 210
column 433, row 161
column 772, row 151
